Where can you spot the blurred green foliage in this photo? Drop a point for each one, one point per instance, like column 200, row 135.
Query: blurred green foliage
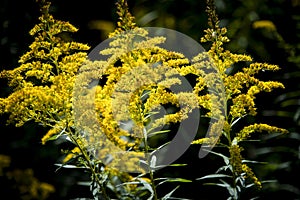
column 95, row 19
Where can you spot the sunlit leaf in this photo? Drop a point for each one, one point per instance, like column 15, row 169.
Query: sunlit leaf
column 214, row 176
column 225, row 158
column 164, row 180
column 167, row 196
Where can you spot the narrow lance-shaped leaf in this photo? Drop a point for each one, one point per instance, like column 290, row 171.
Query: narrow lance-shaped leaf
column 214, row 176
column 167, row 196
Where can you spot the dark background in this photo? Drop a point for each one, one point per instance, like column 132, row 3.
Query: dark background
column 96, row 18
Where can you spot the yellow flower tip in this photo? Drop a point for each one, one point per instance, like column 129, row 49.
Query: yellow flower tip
column 67, row 158
column 236, row 158
column 45, row 139
column 49, row 134
column 248, row 130
column 250, row 174
column 202, row 141
column 126, row 20
column 267, row 24
column 47, row 188
column 76, row 150
column 239, row 167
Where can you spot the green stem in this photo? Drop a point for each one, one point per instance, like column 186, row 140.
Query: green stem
column 151, row 174
column 91, row 167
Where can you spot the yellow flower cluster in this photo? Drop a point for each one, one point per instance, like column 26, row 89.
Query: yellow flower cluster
column 43, row 83
column 236, row 159
column 126, row 20
column 250, row 174
column 74, row 152
column 267, row 24
column 240, row 87
column 133, row 90
column 248, row 130
column 239, row 167
column 49, row 134
column 136, row 87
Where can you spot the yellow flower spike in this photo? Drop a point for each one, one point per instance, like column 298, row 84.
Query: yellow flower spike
column 241, row 88
column 236, row 159
column 254, row 68
column 202, row 141
column 267, row 24
column 43, row 83
column 126, row 20
column 74, row 152
column 67, row 158
column 248, row 130
column 250, row 174
column 239, row 167
column 242, row 104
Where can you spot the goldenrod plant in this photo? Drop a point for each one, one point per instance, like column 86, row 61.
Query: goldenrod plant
column 241, row 89
column 119, row 111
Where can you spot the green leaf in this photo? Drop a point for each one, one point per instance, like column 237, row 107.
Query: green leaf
column 263, row 182
column 172, row 180
column 214, row 176
column 182, row 180
column 158, row 132
column 253, row 161
column 69, row 166
column 167, row 196
column 224, row 168
column 153, row 162
column 148, row 187
column 84, row 183
column 55, row 137
column 217, row 184
column 165, row 180
column 149, row 114
column 177, row 165
column 145, row 94
column 225, row 158
column 235, row 121
column 129, row 183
